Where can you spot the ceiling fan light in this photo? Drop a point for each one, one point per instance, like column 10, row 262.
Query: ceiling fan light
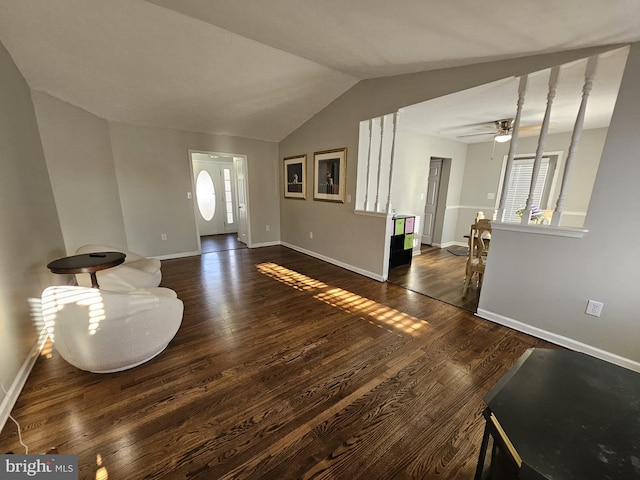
column 502, row 137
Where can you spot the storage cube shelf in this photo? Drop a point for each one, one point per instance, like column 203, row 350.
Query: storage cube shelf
column 401, row 240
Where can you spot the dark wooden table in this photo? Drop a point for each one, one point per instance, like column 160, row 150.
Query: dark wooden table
column 87, row 263
column 565, row 415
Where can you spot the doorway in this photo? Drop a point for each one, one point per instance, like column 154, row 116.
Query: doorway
column 220, row 198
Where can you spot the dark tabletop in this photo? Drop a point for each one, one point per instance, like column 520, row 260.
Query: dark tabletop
column 570, row 416
column 87, row 262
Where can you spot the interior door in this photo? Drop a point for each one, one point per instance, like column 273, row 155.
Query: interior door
column 431, row 203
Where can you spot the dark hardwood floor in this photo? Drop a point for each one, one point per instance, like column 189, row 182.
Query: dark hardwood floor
column 220, row 243
column 437, row 274
column 285, row 367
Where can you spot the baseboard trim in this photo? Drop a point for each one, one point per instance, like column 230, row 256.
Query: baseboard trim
column 265, row 244
column 17, row 385
column 177, row 255
column 561, row 340
column 333, row 261
column 450, row 244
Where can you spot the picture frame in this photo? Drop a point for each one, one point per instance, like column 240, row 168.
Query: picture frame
column 295, row 177
column 330, row 175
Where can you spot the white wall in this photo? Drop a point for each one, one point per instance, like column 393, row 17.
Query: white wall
column 30, row 235
column 77, row 148
column 541, row 284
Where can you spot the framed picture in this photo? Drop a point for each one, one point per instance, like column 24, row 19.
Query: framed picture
column 295, row 177
column 330, row 175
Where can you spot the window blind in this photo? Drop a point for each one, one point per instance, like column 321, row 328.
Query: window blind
column 519, row 183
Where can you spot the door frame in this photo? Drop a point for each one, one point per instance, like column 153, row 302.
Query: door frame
column 191, row 195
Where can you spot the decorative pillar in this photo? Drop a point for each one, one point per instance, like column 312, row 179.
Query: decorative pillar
column 366, row 192
column 553, row 83
column 393, row 152
column 522, row 90
column 589, row 75
column 377, row 203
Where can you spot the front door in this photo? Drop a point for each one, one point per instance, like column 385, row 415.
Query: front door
column 433, row 185
column 215, row 197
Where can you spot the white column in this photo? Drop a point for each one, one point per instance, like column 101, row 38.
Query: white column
column 377, row 203
column 589, row 75
column 522, row 90
column 393, row 152
column 366, row 192
column 553, row 83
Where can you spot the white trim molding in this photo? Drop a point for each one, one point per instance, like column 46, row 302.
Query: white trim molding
column 21, row 378
column 559, row 340
column 265, row 244
column 372, row 214
column 540, row 229
column 177, row 255
column 450, row 244
column 333, row 261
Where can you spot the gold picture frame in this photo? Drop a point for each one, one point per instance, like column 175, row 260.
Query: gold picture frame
column 330, row 175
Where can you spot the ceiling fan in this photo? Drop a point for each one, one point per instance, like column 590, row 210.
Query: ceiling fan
column 500, row 129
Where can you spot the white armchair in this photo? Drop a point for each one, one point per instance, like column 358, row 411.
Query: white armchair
column 136, row 271
column 103, row 332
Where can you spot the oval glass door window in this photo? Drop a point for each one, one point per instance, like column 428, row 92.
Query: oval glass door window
column 206, row 195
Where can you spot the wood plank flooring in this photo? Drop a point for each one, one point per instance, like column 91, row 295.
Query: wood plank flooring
column 219, row 243
column 437, row 274
column 285, row 367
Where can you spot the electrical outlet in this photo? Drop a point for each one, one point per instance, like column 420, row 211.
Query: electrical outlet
column 594, row 308
column 310, row 234
column 268, row 228
column 163, row 236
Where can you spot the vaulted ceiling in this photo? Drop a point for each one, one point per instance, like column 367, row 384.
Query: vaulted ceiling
column 259, row 69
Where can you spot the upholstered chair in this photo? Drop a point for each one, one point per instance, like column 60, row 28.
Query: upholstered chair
column 101, row 331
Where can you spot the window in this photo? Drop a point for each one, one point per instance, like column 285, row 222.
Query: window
column 228, row 194
column 205, row 195
column 520, row 181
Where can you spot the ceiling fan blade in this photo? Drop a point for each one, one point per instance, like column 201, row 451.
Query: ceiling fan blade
column 476, row 134
column 535, row 127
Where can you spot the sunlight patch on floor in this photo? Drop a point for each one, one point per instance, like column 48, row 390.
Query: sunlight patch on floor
column 344, row 299
column 290, row 277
